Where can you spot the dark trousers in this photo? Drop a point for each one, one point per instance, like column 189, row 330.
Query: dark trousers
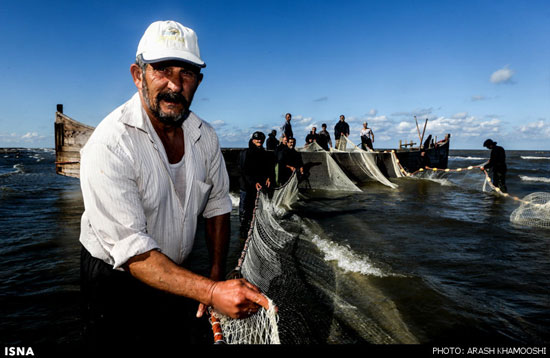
column 123, row 314
column 499, row 180
column 246, row 210
column 366, row 143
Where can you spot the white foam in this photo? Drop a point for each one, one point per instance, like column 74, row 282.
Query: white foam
column 346, row 259
column 235, row 199
column 466, row 158
column 535, row 179
column 534, row 158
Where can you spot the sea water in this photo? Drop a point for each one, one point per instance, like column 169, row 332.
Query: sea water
column 435, row 261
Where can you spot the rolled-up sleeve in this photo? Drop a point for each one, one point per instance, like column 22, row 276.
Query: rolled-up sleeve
column 219, row 202
column 112, row 203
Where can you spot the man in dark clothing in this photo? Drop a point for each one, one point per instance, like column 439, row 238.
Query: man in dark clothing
column 425, row 162
column 312, row 136
column 324, row 138
column 257, row 170
column 497, row 162
column 341, row 128
column 287, row 127
column 289, row 161
column 272, row 142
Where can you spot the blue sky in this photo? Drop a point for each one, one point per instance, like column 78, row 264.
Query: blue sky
column 476, row 69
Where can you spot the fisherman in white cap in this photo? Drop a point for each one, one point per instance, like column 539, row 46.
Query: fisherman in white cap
column 148, row 171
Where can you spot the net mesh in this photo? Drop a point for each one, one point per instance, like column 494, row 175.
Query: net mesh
column 323, row 172
column 360, row 164
column 534, row 210
column 267, row 261
column 394, row 169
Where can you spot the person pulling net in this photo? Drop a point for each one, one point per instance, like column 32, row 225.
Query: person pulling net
column 534, row 209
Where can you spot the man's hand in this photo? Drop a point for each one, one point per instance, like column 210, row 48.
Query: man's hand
column 236, row 298
column 268, row 183
column 258, row 186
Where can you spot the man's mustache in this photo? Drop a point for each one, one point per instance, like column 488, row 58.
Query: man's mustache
column 173, row 97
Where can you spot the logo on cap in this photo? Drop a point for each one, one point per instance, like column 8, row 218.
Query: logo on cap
column 172, row 33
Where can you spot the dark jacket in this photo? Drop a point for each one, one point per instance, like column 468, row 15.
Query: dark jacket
column 288, row 157
column 256, row 166
column 341, row 127
column 310, row 138
column 287, row 130
column 324, row 140
column 271, row 143
column 497, row 160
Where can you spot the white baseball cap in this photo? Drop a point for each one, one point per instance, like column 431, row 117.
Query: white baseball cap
column 169, row 40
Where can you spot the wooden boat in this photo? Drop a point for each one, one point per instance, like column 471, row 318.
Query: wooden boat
column 437, row 152
column 70, row 137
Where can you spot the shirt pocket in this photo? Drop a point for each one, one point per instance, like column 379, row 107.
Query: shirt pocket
column 201, row 195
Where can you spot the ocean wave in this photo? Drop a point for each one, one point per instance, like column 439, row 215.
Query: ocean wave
column 535, row 179
column 19, row 168
column 534, row 158
column 38, row 157
column 465, row 158
column 346, row 259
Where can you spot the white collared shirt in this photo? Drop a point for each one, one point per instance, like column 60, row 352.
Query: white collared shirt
column 131, row 203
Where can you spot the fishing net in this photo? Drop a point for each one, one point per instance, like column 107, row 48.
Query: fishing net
column 362, row 165
column 392, row 165
column 534, row 210
column 266, row 261
column 284, row 196
column 322, row 171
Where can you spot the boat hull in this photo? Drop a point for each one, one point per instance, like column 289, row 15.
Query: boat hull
column 438, row 155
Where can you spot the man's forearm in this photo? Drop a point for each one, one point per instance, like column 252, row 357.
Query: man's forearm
column 235, row 298
column 217, row 241
column 158, row 271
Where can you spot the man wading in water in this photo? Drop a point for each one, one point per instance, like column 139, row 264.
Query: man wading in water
column 497, row 162
column 148, row 171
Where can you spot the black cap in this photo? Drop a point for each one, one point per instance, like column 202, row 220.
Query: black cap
column 258, row 135
column 488, row 143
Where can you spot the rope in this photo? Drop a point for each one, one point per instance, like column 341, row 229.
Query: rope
column 487, row 178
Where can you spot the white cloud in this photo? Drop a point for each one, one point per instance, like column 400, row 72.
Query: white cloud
column 29, row 139
column 535, row 130
column 300, row 120
column 460, row 115
column 405, row 127
column 373, row 112
column 504, row 75
column 218, row 123
column 30, row 135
